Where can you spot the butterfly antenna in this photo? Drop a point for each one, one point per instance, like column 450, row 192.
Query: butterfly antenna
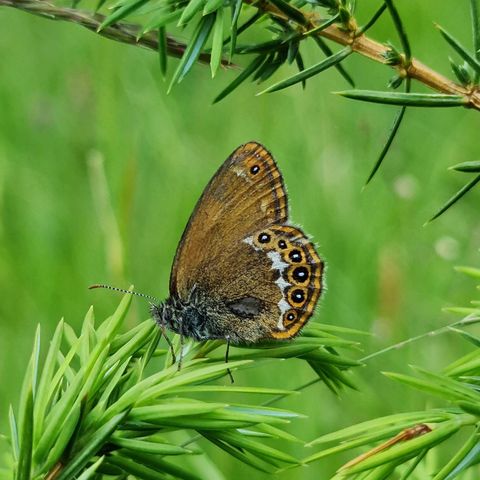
column 122, row 290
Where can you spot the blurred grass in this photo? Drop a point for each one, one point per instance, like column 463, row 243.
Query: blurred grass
column 64, row 93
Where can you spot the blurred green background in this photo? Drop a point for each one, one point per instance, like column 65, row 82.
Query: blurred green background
column 90, row 140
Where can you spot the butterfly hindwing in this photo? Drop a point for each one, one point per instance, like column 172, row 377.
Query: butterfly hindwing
column 300, row 275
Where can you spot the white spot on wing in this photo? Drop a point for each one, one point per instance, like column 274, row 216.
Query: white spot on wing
column 277, row 262
column 279, row 265
column 240, row 172
column 283, row 306
column 249, row 241
column 282, row 284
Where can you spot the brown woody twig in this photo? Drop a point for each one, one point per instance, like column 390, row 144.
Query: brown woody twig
column 121, row 32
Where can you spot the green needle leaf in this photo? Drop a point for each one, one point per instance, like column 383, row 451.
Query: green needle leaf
column 467, row 336
column 474, row 12
column 256, row 62
column 291, row 12
column 250, row 460
column 470, row 271
column 467, row 167
column 217, row 42
column 460, row 49
column 253, row 446
column 472, row 458
column 13, row 433
column 135, row 468
column 301, row 67
column 309, row 72
column 132, row 346
column 185, row 377
column 322, row 26
column 162, row 51
column 30, row 380
column 156, row 413
column 329, row 52
column 373, row 20
column 89, row 473
column 125, row 10
column 146, row 446
column 393, row 131
column 108, row 329
column 212, row 6
column 193, row 49
column 463, row 191
column 96, row 441
column 83, row 381
column 160, row 465
column 400, row 29
column 161, row 20
column 87, row 328
column 26, row 439
column 406, row 99
column 463, row 458
column 236, row 8
column 432, row 387
column 190, row 10
column 61, row 443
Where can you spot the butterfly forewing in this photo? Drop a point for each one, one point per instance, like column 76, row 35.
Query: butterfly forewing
column 244, row 195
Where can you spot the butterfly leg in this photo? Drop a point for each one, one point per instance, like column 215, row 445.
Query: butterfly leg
column 181, row 352
column 170, row 344
column 227, row 351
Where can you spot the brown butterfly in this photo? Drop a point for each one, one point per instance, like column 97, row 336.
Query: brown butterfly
column 241, row 273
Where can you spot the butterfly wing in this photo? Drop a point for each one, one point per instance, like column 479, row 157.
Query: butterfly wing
column 230, row 252
column 300, row 273
column 244, row 195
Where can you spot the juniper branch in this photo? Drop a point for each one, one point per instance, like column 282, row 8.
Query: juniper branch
column 121, row 32
column 344, row 34
column 372, row 49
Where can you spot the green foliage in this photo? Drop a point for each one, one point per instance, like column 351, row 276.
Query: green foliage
column 97, row 409
column 406, row 438
column 291, row 23
column 352, row 297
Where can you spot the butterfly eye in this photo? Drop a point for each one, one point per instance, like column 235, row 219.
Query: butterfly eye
column 264, row 238
column 254, row 169
column 295, row 256
column 300, row 274
column 282, row 244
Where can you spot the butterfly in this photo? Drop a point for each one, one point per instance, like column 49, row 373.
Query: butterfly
column 242, row 272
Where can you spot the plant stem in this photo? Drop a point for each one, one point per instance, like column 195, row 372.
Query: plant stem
column 120, row 32
column 376, row 51
column 353, row 36
column 463, row 322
